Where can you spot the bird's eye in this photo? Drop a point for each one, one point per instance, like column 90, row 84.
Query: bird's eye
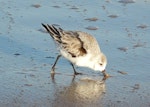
column 101, row 64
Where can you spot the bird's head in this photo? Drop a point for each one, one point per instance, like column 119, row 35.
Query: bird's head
column 101, row 63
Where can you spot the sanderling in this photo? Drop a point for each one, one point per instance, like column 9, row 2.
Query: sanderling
column 79, row 48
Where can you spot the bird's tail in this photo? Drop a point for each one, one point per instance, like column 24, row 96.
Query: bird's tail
column 54, row 32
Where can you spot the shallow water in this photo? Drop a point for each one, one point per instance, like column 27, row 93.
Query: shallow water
column 27, row 53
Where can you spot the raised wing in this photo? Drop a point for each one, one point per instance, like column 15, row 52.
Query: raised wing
column 68, row 40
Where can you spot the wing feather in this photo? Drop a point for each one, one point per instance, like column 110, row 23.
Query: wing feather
column 73, row 44
column 67, row 40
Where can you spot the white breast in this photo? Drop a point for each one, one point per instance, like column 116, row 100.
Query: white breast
column 84, row 61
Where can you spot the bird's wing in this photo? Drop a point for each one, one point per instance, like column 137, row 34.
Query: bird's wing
column 89, row 43
column 71, row 42
column 68, row 40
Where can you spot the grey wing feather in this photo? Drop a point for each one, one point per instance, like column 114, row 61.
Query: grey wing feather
column 73, row 44
column 68, row 40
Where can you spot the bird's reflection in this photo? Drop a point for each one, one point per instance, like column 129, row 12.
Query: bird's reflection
column 80, row 93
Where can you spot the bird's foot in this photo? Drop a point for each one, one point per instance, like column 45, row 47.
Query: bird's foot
column 77, row 73
column 53, row 70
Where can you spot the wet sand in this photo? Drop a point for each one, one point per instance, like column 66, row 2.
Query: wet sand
column 27, row 53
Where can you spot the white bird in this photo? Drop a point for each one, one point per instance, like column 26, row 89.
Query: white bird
column 79, row 48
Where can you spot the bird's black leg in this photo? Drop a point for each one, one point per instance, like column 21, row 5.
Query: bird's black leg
column 53, row 67
column 75, row 72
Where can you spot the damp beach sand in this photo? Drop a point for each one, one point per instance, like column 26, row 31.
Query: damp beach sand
column 121, row 28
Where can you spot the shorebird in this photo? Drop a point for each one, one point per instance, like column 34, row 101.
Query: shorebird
column 79, row 48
